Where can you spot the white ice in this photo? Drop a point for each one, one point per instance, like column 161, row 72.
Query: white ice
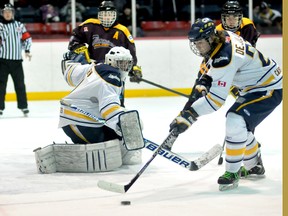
column 163, row 189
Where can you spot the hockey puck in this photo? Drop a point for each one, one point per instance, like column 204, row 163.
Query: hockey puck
column 125, row 203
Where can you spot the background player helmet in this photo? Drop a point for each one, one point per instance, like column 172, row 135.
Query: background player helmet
column 263, row 6
column 231, row 8
column 203, row 28
column 120, row 58
column 8, row 7
column 107, row 13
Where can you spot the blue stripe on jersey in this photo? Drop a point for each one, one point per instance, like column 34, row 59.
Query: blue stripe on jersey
column 109, row 74
column 210, row 104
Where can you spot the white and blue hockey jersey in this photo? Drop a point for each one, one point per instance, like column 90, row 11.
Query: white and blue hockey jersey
column 237, row 63
column 97, row 92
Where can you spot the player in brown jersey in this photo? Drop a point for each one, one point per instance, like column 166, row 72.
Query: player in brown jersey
column 232, row 20
column 104, row 33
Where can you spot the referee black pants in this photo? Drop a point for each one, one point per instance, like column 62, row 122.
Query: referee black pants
column 15, row 69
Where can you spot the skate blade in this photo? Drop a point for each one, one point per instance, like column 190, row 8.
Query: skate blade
column 228, row 186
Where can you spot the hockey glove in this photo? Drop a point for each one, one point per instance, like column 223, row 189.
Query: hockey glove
column 81, row 49
column 202, row 86
column 74, row 57
column 183, row 121
column 135, row 74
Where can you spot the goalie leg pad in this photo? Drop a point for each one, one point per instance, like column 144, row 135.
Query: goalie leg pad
column 45, row 160
column 130, row 157
column 131, row 130
column 96, row 157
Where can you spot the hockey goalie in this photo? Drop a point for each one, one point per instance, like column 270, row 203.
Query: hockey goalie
column 105, row 135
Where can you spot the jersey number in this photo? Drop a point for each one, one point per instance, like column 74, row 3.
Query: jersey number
column 250, row 52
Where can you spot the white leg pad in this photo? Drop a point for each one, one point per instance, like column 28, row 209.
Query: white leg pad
column 96, row 157
column 131, row 157
column 45, row 160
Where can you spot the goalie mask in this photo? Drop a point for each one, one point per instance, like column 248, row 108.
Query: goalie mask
column 120, row 58
column 200, row 37
column 107, row 13
column 231, row 16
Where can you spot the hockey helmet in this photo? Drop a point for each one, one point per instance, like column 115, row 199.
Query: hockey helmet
column 107, row 13
column 8, row 7
column 120, row 58
column 231, row 8
column 263, row 6
column 203, row 28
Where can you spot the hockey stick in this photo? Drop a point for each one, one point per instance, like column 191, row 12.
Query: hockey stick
column 182, row 161
column 220, row 160
column 163, row 87
column 124, row 188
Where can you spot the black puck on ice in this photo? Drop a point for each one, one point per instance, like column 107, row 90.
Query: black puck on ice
column 125, row 203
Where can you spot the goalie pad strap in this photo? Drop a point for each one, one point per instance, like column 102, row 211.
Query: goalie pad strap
column 97, row 157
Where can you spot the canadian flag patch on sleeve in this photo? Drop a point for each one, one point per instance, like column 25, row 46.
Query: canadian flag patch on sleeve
column 221, row 83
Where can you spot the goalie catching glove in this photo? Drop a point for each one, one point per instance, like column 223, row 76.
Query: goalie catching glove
column 183, row 121
column 135, row 74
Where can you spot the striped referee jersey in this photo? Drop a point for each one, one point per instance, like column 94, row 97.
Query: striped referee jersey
column 13, row 39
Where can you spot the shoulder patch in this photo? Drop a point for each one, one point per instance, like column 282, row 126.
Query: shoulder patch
column 110, row 74
column 223, row 57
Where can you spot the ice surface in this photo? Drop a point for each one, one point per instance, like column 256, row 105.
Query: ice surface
column 163, row 189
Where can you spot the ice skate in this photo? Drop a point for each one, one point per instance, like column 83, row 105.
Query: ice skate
column 258, row 170
column 25, row 112
column 228, row 181
column 1, row 112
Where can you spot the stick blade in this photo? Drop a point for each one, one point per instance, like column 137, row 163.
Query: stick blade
column 206, row 157
column 109, row 186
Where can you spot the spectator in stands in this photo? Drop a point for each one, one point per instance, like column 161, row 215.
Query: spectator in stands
column 49, row 13
column 268, row 17
column 66, row 11
column 126, row 19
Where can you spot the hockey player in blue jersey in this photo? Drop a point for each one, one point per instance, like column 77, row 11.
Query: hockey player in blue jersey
column 230, row 60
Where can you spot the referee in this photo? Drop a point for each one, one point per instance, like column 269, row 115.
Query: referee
column 13, row 38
